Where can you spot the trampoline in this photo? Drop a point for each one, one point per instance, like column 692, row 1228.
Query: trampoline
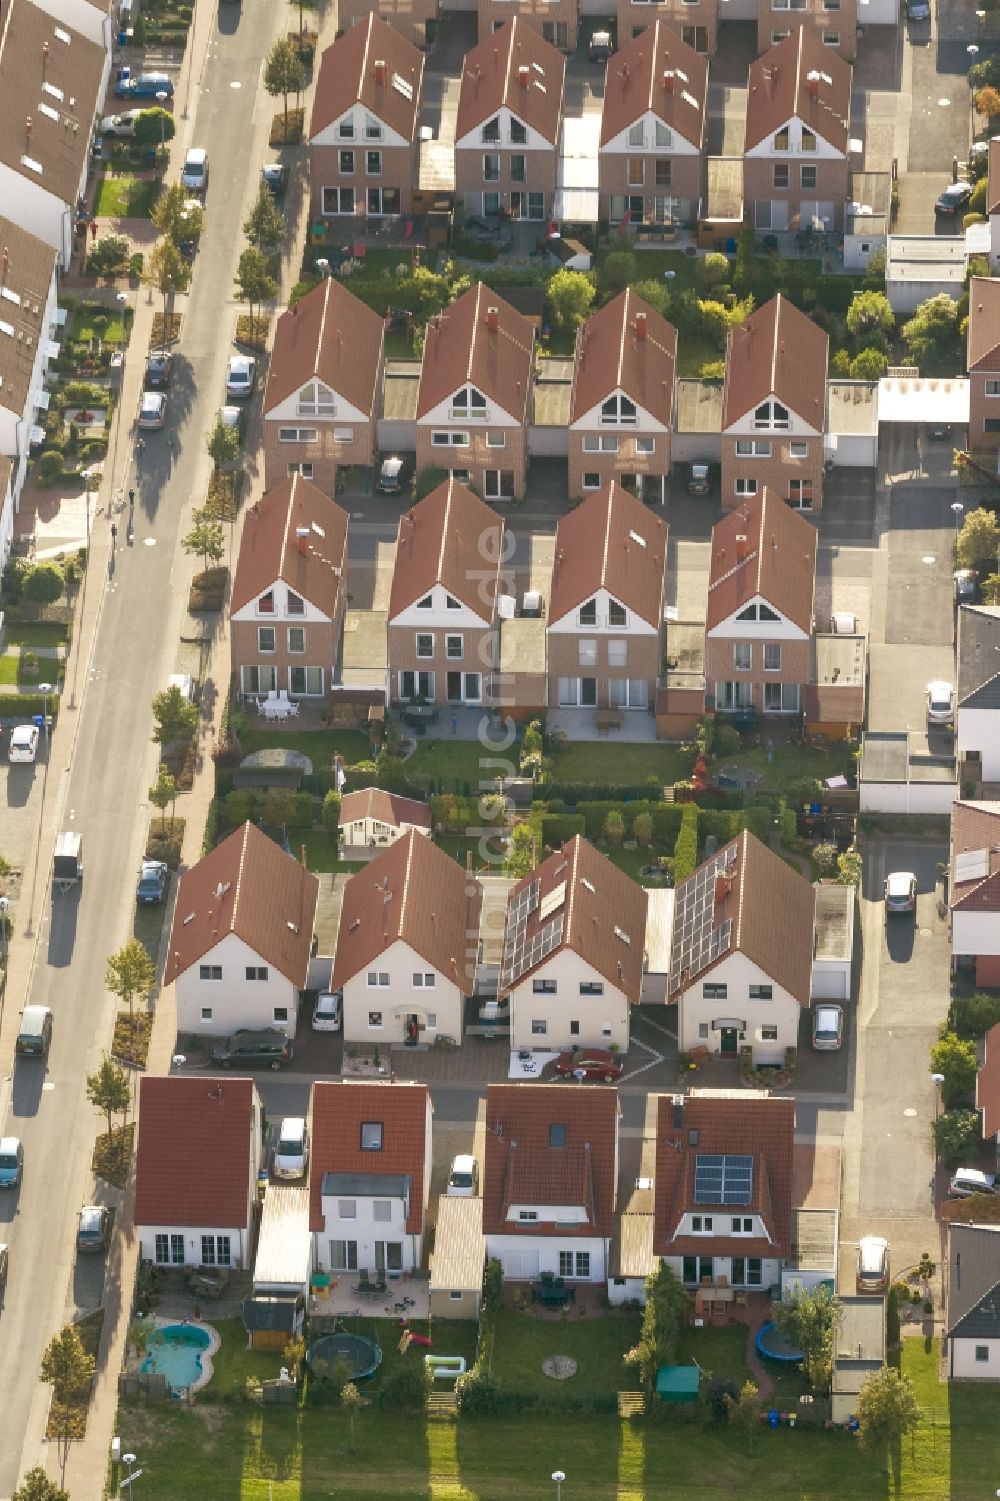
column 774, row 1346
column 359, row 1355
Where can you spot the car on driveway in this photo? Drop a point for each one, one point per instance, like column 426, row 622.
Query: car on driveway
column 120, row 125
column 967, row 1181
column 600, row 47
column 158, row 368
column 900, row 892
column 828, row 1028
column 93, row 1228
column 241, row 377
column 11, row 1162
column 154, row 877
column 142, row 85
column 23, row 745
column 940, row 702
column 152, row 409
column 266, row 1048
column 953, row 200
column 328, row 1012
column 588, row 1063
column 918, row 10
column 873, row 1264
column 394, row 476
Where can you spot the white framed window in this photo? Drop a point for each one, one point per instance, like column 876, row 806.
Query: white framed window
column 424, row 980
column 378, row 979
column 701, row 1224
column 416, row 685
column 454, row 647
column 343, row 1255
column 491, row 167
column 427, row 603
column 296, row 640
column 432, row 1021
column 306, row 470
column 617, row 654
column 449, row 439
column 807, row 177
column 761, row 992
column 769, row 1033
column 346, row 163
column 753, row 448
column 338, row 201
column 496, row 438
column 374, row 1019
column 663, row 136
column 588, row 652
column 256, row 972
column 315, row 400
column 645, row 445
column 798, row 450
column 381, row 1211
column 831, row 39
column 206, row 1013
column 808, row 136
column 424, row 644
column 371, row 1136
column 373, row 163
column 591, row 481
column 772, row 656
column 619, row 409
column 297, row 434
column 468, row 402
column 741, row 1224
column 345, row 130
column 527, row 1215
column 617, row 615
column 746, row 487
column 280, row 1014
column 591, row 987
column 742, row 655
column 771, row 414
column 992, row 388
column 347, row 1209
column 211, row 972
column 266, row 639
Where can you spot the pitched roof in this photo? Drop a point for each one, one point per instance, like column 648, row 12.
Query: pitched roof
column 180, row 1179
column 975, row 833
column 984, row 324
column 993, row 188
column 656, row 71
column 799, row 77
column 439, row 542
column 523, row 1168
column 25, row 281
column 387, row 807
column 988, row 1084
column 626, row 346
column 724, row 1123
column 372, row 64
column 52, row 77
column 576, row 900
column 414, row 892
column 978, row 653
column 777, row 352
column 467, row 344
column 775, row 559
column 973, row 1288
column 745, row 900
column 248, row 886
column 339, row 1109
column 611, row 541
column 332, row 335
column 270, row 547
column 517, row 68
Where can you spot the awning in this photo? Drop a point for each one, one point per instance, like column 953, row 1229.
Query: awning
column 578, row 175
column 40, row 401
column 911, row 399
column 577, row 205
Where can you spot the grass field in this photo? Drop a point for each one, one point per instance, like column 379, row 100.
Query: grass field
column 33, row 634
column 319, row 745
column 597, row 1343
column 616, row 762
column 126, row 197
column 81, row 328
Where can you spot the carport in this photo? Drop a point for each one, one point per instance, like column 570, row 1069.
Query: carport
column 577, row 199
column 907, row 397
column 899, row 773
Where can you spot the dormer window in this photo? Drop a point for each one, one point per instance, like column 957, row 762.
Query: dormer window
column 619, row 409
column 345, row 130
column 265, row 604
column 772, row 415
column 588, row 613
column 664, row 136
column 758, row 612
column 296, row 605
column 451, row 603
column 518, row 133
column 373, row 128
column 371, row 1136
column 316, row 400
column 781, row 141
column 491, row 132
column 808, row 140
column 468, row 402
column 557, row 1134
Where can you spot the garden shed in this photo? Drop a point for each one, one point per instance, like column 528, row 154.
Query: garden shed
column 833, row 942
column 678, row 1383
column 456, row 1284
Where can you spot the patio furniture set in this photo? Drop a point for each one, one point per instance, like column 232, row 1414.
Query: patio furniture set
column 277, row 705
column 552, row 1292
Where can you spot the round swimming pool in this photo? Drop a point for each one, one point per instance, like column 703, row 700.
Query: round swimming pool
column 178, row 1352
column 360, row 1356
column 774, row 1346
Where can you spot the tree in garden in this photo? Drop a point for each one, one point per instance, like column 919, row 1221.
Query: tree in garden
column 176, row 717
column 956, row 1060
column 352, row 1402
column 807, row 1319
column 223, row 444
column 666, row 1312
column 642, row 830
column 163, row 793
column 36, row 1486
column 978, row 542
column 109, row 256
column 284, row 73
column 205, row 538
column 66, row 1366
column 714, row 269
column 655, row 295
column 521, row 851
column 870, row 319
column 109, row 1089
column 869, row 364
column 977, row 205
column 957, row 1136
column 254, row 281
column 990, row 587
column 744, row 1410
column 176, row 215
column 614, row 826
column 987, row 102
column 43, row 583
column 294, row 1354
column 825, row 857
column 265, row 225
column 618, row 271
column 167, row 272
column 850, row 868
column 933, row 324
column 569, row 295
column 153, row 126
column 425, row 293
column 887, row 1409
column 130, row 973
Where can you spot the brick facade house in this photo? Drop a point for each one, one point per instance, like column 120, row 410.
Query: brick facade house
column 833, row 23
column 697, row 22
column 984, row 363
column 557, row 20
column 410, row 18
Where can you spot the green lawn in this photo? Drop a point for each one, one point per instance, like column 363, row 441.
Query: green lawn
column 693, row 352
column 319, row 745
column 456, row 763
column 617, row 763
column 126, row 197
column 792, row 763
column 233, row 1363
column 8, row 669
column 80, row 328
column 321, row 850
column 34, row 634
column 522, row 1341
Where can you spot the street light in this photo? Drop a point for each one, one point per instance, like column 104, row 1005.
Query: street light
column 129, row 1461
column 558, row 1476
column 958, row 510
column 973, row 52
column 980, row 18
column 45, row 689
column 937, row 1080
column 161, row 99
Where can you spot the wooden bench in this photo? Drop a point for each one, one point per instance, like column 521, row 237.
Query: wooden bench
column 609, row 719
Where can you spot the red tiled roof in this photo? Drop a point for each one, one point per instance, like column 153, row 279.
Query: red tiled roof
column 777, row 352
column 339, row 1108
column 248, row 886
column 776, row 559
column 976, row 826
column 194, row 1154
column 727, row 1123
column 522, row 1168
column 451, row 538
column 799, row 77
column 603, row 914
column 515, row 67
column 611, row 541
column 611, row 356
column 313, row 566
column 415, row 892
column 988, row 1084
column 658, row 72
column 359, row 68
column 387, row 807
column 330, row 335
column 984, row 322
column 461, row 348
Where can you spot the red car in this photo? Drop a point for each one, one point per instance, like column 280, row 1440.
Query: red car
column 591, row 1063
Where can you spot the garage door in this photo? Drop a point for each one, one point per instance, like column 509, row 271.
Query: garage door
column 830, row 984
column 520, row 1266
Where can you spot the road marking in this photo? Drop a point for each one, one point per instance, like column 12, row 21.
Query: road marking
column 654, row 1059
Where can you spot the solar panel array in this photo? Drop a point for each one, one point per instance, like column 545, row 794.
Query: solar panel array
column 697, row 942
column 972, row 865
column 516, row 948
column 722, row 1179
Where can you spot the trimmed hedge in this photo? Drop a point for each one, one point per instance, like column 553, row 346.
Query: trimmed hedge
column 23, row 705
column 557, row 828
column 686, row 848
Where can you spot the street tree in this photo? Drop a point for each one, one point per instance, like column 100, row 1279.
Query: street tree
column 176, row 215
column 254, row 281
column 933, row 326
column 569, row 295
column 167, row 272
column 284, row 72
column 744, row 1410
column 870, row 319
column 176, row 717
column 352, row 1402
column 265, row 224
column 887, row 1408
column 978, row 542
column 205, row 539
column 66, row 1366
column 163, row 793
column 223, row 444
column 153, row 126
column 43, row 583
column 955, row 1059
column 807, row 1319
column 109, row 1089
column 36, row 1486
column 130, row 973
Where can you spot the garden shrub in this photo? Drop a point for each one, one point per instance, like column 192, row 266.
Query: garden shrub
column 406, row 1385
column 686, row 846
column 478, row 1393
column 239, row 806
column 719, row 822
column 557, row 828
column 974, row 1017
column 49, row 467
column 666, row 822
column 304, row 813
column 330, row 815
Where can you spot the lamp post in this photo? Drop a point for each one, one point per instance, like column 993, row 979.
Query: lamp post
column 558, row 1476
column 937, row 1080
column 161, row 99
column 980, row 18
column 972, row 51
column 45, row 689
column 129, row 1461
column 957, row 510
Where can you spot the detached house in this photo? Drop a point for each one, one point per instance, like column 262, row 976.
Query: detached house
column 774, row 407
column 324, row 387
column 697, row 21
column 199, row 1149
column 442, row 619
column 573, row 952
column 509, row 122
column 474, row 397
column 369, row 1176
column 550, row 1179
column 983, row 360
column 723, row 1216
column 622, row 401
column 604, row 636
column 759, row 619
column 408, row 945
column 741, row 953
column 831, row 23
column 289, row 591
column 653, row 130
column 974, row 890
column 796, row 164
column 241, row 937
column 363, row 144
column 28, row 321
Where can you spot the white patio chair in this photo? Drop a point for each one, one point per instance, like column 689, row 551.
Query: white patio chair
column 293, row 709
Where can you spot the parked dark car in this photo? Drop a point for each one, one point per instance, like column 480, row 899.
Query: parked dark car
column 275, row 177
column 953, row 200
column 93, row 1228
column 918, row 10
column 267, row 1048
column 592, row 1063
column 600, row 47
column 154, row 878
column 158, row 367
column 394, row 476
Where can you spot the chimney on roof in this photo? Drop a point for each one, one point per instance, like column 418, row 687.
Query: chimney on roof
column 381, row 71
column 813, row 88
column 45, row 57
column 28, row 127
column 523, row 75
column 493, row 319
column 302, row 540
column 668, row 80
column 640, row 326
column 625, row 72
column 496, row 57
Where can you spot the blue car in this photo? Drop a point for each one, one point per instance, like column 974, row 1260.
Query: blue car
column 11, row 1162
column 152, row 887
column 143, row 85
